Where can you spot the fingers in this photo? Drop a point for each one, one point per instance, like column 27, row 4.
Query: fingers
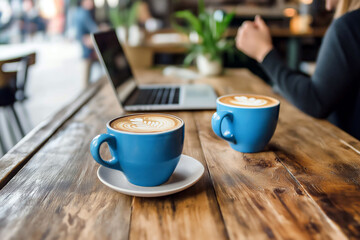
column 238, row 38
column 254, row 39
column 245, row 27
column 247, row 24
column 260, row 23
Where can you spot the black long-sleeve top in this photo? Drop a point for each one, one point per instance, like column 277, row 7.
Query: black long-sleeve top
column 333, row 91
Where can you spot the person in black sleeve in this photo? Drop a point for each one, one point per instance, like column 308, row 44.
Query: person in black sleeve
column 333, row 92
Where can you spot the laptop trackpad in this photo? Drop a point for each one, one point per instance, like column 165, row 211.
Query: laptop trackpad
column 195, row 91
column 199, row 96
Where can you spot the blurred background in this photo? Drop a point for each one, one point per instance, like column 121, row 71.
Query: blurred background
column 46, row 57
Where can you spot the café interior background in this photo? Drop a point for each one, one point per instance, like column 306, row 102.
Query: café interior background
column 47, row 27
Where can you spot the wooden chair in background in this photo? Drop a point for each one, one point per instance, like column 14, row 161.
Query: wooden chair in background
column 22, row 75
column 13, row 78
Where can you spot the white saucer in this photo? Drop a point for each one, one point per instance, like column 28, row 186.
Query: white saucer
column 187, row 173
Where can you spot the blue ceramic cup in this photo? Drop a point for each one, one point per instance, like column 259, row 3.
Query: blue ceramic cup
column 246, row 121
column 146, row 159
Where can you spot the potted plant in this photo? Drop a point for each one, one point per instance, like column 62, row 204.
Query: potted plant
column 124, row 20
column 211, row 44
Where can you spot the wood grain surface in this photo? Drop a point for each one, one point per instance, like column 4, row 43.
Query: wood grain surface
column 304, row 185
column 259, row 186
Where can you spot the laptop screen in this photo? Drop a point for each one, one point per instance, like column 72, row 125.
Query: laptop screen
column 115, row 63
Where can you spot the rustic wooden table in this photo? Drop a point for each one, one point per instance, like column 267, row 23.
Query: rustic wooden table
column 304, row 185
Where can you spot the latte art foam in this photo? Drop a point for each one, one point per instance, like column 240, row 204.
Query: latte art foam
column 146, row 123
column 249, row 101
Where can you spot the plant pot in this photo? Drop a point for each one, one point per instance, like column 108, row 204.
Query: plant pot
column 121, row 33
column 208, row 67
column 136, row 36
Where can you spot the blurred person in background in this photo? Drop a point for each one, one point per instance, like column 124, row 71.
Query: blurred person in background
column 333, row 92
column 85, row 24
column 30, row 21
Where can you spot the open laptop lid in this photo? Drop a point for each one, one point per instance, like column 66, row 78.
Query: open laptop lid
column 116, row 66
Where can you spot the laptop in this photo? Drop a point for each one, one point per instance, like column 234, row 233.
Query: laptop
column 134, row 97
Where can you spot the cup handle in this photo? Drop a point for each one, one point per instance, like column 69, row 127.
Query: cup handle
column 95, row 147
column 216, row 121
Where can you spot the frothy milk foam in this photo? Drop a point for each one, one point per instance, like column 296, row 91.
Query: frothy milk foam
column 249, row 101
column 146, row 123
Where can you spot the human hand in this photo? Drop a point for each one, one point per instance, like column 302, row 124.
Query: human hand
column 253, row 39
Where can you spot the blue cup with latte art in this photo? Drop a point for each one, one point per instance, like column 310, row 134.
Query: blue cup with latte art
column 145, row 147
column 246, row 121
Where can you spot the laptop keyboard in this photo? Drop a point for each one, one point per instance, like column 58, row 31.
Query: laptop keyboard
column 160, row 96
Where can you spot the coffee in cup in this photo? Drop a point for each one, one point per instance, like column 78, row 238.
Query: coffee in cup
column 146, row 123
column 248, row 101
column 145, row 147
column 246, row 121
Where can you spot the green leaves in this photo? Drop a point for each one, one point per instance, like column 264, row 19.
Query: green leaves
column 133, row 13
column 116, row 17
column 222, row 26
column 189, row 58
column 191, row 19
column 201, row 6
column 210, row 27
column 124, row 17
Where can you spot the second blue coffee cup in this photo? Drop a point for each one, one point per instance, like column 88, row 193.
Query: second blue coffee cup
column 247, row 129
